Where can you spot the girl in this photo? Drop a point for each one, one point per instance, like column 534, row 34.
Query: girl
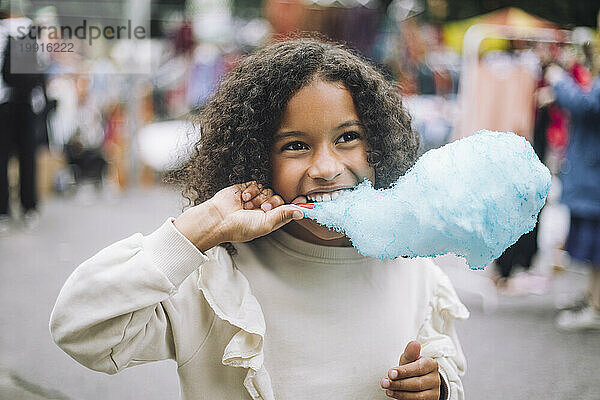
column 291, row 310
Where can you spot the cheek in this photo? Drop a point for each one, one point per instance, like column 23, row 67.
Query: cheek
column 361, row 167
column 285, row 180
column 276, row 170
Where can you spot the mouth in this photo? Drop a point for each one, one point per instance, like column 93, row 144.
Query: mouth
column 325, row 196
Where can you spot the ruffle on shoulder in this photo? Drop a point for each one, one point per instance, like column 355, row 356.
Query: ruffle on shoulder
column 228, row 293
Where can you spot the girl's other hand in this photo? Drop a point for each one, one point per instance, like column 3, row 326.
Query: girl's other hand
column 416, row 378
column 238, row 213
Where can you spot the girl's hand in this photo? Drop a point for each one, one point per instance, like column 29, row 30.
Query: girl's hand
column 249, row 211
column 415, row 378
column 238, row 213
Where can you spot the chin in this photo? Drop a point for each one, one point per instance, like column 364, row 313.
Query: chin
column 320, row 231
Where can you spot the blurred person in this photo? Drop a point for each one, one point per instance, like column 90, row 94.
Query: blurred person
column 581, row 189
column 22, row 97
column 206, row 69
column 519, row 255
column 88, row 164
column 84, row 148
column 297, row 121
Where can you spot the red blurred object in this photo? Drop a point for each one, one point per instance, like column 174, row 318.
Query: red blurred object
column 557, row 133
column 306, row 205
column 184, row 38
column 582, row 76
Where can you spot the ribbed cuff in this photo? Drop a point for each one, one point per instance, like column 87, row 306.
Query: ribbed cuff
column 173, row 253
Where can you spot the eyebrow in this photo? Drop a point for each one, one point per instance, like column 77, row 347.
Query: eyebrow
column 283, row 135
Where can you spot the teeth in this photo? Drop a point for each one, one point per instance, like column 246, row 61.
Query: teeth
column 325, row 196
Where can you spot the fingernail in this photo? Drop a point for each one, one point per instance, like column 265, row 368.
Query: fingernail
column 394, row 374
column 297, row 215
column 266, row 206
column 385, row 383
column 246, row 196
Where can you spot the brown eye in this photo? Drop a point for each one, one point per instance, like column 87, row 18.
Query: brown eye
column 295, row 146
column 348, row 136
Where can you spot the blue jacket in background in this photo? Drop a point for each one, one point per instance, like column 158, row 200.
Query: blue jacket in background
column 581, row 170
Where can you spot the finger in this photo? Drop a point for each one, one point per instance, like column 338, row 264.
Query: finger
column 411, row 352
column 263, row 200
column 250, row 190
column 273, row 202
column 299, row 200
column 431, row 394
column 258, row 200
column 422, row 366
column 280, row 216
column 414, row 384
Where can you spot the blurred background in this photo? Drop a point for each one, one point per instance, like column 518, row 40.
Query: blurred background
column 90, row 126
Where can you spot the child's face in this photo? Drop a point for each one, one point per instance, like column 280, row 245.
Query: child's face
column 320, row 148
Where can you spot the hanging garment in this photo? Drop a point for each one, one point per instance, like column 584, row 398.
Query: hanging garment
column 498, row 96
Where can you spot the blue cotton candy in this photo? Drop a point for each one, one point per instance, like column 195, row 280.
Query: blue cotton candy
column 473, row 197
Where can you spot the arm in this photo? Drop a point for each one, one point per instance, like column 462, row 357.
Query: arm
column 570, row 96
column 118, row 308
column 451, row 369
column 22, row 59
column 438, row 337
column 113, row 310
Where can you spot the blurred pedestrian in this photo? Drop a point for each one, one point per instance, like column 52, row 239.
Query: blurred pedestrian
column 581, row 190
column 21, row 94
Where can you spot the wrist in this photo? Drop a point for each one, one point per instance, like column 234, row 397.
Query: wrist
column 201, row 225
column 443, row 388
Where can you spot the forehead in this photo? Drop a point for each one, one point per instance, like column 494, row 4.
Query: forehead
column 319, row 104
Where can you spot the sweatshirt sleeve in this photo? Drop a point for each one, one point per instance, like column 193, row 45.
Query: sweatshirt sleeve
column 438, row 337
column 570, row 96
column 112, row 311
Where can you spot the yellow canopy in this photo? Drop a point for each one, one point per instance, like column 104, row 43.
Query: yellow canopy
column 453, row 32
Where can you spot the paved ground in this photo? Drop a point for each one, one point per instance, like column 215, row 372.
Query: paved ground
column 513, row 350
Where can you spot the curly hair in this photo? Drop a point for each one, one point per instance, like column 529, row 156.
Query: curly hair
column 237, row 124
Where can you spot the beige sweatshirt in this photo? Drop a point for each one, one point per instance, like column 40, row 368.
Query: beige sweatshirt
column 283, row 319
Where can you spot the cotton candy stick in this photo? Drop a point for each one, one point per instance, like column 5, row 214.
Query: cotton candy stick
column 473, row 198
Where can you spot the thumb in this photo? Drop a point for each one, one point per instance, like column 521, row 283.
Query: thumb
column 281, row 215
column 412, row 352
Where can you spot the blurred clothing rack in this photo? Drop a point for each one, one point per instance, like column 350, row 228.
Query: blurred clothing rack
column 472, row 40
column 479, row 32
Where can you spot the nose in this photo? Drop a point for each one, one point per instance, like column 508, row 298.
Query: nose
column 325, row 165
